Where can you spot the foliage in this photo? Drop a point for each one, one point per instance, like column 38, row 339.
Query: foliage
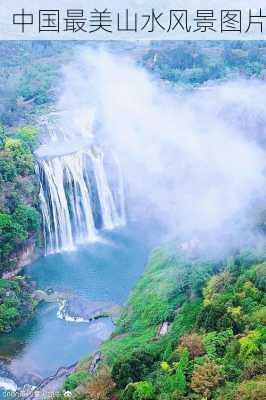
column 215, row 343
column 193, row 342
column 75, row 379
column 139, row 391
column 252, row 390
column 190, row 63
column 215, row 308
column 28, row 135
column 251, row 344
column 27, row 75
column 101, row 386
column 36, row 83
column 217, row 284
column 132, row 369
column 15, row 303
column 206, row 378
column 19, row 218
column 27, row 217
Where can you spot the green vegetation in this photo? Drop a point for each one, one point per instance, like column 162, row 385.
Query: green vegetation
column 27, row 76
column 215, row 346
column 19, row 218
column 15, row 303
column 75, row 379
column 192, row 63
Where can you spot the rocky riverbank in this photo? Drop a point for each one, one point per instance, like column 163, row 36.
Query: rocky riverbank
column 77, row 309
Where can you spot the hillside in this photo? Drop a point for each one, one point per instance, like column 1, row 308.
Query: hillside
column 213, row 344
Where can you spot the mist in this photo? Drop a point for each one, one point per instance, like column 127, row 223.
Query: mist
column 192, row 160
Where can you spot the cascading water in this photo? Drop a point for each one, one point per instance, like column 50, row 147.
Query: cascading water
column 77, row 200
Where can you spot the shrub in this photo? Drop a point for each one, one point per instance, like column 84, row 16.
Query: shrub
column 215, row 342
column 225, row 392
column 260, row 277
column 192, row 342
column 8, row 169
column 206, row 378
column 251, row 344
column 254, row 367
column 216, row 285
column 21, row 155
column 11, row 233
column 214, row 317
column 143, row 390
column 252, row 390
column 36, row 83
column 73, row 380
column 15, row 303
column 165, row 366
column 100, row 386
column 27, row 217
column 259, row 315
column 132, row 369
column 2, row 137
column 28, row 136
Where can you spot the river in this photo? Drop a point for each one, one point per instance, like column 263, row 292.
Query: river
column 102, row 271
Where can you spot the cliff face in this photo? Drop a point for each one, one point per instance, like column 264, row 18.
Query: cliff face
column 23, row 257
column 19, row 216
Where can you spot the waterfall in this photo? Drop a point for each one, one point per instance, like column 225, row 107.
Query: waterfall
column 110, row 215
column 77, row 200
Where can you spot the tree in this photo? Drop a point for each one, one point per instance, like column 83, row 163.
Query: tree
column 193, row 342
column 28, row 217
column 8, row 169
column 28, row 135
column 254, row 389
column 36, row 83
column 217, row 284
column 2, row 137
column 216, row 342
column 132, row 369
column 206, row 378
column 21, row 155
column 143, row 390
column 252, row 343
column 75, row 379
column 11, row 234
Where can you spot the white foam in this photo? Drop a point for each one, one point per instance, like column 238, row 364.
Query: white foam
column 8, row 384
column 61, row 314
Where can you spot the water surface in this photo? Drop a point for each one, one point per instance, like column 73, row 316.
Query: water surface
column 102, row 271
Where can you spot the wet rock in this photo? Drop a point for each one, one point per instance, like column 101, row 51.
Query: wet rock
column 79, row 309
column 97, row 357
column 163, row 329
column 50, row 290
column 51, row 384
column 30, row 379
column 41, row 295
